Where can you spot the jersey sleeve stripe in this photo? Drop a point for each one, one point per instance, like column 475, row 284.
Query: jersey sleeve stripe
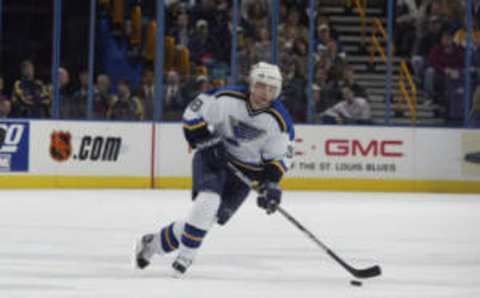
column 246, row 166
column 280, row 166
column 279, row 118
column 196, row 126
column 232, row 93
column 194, row 123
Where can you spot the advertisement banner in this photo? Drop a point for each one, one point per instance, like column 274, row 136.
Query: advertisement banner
column 14, row 148
column 91, row 148
column 173, row 154
column 471, row 154
column 367, row 158
column 360, row 152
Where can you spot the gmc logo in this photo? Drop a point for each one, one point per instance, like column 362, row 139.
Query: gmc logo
column 382, row 148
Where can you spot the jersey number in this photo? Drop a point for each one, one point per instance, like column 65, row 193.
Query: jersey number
column 196, row 104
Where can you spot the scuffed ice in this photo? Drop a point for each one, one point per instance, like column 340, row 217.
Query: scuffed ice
column 71, row 243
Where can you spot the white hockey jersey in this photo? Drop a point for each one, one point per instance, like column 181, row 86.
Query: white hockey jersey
column 252, row 138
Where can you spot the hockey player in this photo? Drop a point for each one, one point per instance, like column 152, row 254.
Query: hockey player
column 247, row 127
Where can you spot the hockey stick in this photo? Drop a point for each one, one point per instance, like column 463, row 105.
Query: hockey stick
column 358, row 273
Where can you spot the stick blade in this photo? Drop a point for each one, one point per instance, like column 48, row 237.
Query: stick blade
column 368, row 272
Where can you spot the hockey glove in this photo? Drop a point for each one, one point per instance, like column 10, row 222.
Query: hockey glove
column 269, row 197
column 213, row 152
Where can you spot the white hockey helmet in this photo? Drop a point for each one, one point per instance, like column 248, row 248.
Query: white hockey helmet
column 268, row 74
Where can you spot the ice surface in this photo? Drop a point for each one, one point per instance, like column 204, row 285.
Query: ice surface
column 73, row 243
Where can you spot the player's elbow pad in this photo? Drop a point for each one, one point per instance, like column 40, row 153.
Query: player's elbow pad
column 197, row 135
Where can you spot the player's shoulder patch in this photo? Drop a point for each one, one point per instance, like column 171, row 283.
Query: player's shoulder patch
column 282, row 117
column 238, row 92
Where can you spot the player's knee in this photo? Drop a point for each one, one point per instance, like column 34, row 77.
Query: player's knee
column 204, row 211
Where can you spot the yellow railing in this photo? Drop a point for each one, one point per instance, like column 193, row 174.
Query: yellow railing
column 405, row 83
column 376, row 45
column 411, row 98
column 362, row 12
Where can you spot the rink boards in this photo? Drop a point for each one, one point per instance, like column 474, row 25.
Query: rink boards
column 78, row 154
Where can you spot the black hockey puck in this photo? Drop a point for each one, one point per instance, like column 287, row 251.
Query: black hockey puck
column 356, row 283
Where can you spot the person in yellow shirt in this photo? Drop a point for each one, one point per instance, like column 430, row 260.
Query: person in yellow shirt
column 30, row 98
column 125, row 106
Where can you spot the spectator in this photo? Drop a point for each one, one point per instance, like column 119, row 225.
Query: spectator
column 103, row 97
column 445, row 60
column 324, row 38
column 337, row 61
column 300, row 54
column 293, row 23
column 406, row 16
column 430, row 8
column 202, row 46
column 326, row 93
column 2, row 85
column 257, row 13
column 475, row 114
column 203, row 85
column 476, row 12
column 125, row 106
column 203, row 10
column 194, row 87
column 75, row 106
column 352, row 110
column 294, row 92
column 147, row 93
column 286, row 38
column 251, row 8
column 63, row 85
column 427, row 10
column 30, row 97
column 222, row 26
column 424, row 44
column 349, row 78
column 455, row 13
column 174, row 102
column 246, row 57
column 263, row 45
column 181, row 31
column 5, row 106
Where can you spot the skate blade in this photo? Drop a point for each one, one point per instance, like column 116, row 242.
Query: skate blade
column 176, row 274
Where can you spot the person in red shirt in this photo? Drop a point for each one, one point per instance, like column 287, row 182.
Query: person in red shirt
column 445, row 61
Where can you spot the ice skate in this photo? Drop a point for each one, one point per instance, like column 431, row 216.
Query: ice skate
column 181, row 264
column 144, row 251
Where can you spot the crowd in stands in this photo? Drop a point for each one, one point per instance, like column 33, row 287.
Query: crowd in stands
column 198, row 50
column 433, row 34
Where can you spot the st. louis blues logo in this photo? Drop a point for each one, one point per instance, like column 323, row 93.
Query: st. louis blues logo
column 245, row 132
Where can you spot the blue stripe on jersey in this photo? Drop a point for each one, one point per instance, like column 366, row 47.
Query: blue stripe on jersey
column 192, row 237
column 278, row 106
